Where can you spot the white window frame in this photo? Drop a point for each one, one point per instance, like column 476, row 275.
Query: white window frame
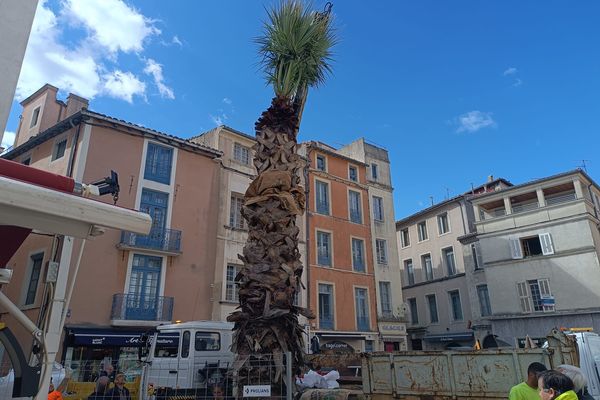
column 27, row 280
column 317, row 231
column 526, row 297
column 374, row 167
column 360, row 207
column 481, row 305
column 333, row 303
column 440, row 218
column 364, row 254
column 235, row 288
column 57, row 141
column 324, row 158
column 445, row 260
column 378, row 209
column 516, row 245
column 244, row 153
column 476, row 256
column 424, row 269
column 422, row 234
column 35, row 114
column 352, row 166
column 381, row 251
column 328, row 183
column 403, row 239
column 410, row 310
column 437, row 309
column 411, row 273
column 235, row 215
column 388, row 285
column 451, row 306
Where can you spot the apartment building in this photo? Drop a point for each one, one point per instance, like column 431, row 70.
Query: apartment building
column 437, row 260
column 390, row 311
column 127, row 283
column 341, row 275
column 236, row 173
column 540, row 248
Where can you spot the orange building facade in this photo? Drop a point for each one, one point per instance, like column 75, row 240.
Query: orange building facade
column 340, row 272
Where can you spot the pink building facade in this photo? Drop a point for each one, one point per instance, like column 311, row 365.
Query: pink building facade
column 126, row 283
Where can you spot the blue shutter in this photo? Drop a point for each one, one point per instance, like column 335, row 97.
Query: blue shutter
column 158, row 163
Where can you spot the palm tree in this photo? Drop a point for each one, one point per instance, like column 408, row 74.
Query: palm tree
column 296, row 55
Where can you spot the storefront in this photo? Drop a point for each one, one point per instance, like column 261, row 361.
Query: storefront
column 449, row 340
column 91, row 352
column 392, row 336
column 346, row 342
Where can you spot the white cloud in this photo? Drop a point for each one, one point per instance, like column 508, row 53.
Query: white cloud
column 176, row 41
column 510, row 71
column 124, row 85
column 155, row 69
column 112, row 23
column 8, row 139
column 474, row 121
column 83, row 64
column 227, row 100
column 517, row 82
column 218, row 119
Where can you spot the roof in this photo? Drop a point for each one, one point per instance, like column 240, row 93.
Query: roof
column 429, row 209
column 230, row 129
column 538, row 181
column 37, row 92
column 330, row 150
column 85, row 115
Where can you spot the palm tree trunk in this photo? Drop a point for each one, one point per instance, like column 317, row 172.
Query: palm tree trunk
column 267, row 320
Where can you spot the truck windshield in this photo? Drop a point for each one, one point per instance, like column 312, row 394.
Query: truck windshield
column 167, row 345
column 207, row 341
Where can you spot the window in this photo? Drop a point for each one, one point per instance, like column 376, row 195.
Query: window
column 325, row 306
column 185, row 344
column 358, row 255
column 369, row 346
column 34, row 278
column 158, row 163
column 377, row 208
column 323, row 248
column 484, row 300
column 34, row 117
column 322, row 197
column 362, row 309
column 374, row 172
column 427, row 267
column 414, row 314
column 241, row 153
column 532, row 246
column 167, row 345
column 231, row 289
column 455, row 305
column 321, row 163
column 433, row 312
column 353, row 173
column 410, row 272
column 404, row 237
column 381, row 250
column 354, row 206
column 207, row 341
column 448, row 254
column 443, row 226
column 535, row 295
column 422, row 229
column 385, row 296
column 476, row 254
column 59, row 149
column 235, row 212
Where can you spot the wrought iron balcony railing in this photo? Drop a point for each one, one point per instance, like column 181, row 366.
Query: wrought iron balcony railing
column 158, row 239
column 140, row 307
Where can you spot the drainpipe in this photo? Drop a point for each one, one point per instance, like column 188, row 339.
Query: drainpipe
column 71, row 164
column 307, row 226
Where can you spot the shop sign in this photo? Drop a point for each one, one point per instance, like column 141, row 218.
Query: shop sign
column 257, row 390
column 338, row 347
column 392, row 328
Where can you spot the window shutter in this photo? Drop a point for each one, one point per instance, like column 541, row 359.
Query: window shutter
column 478, row 254
column 544, row 285
column 524, row 298
column 546, row 241
column 515, row 249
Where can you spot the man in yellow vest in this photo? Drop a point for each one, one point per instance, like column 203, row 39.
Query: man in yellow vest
column 528, row 390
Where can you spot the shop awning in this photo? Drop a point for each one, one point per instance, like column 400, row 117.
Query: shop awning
column 104, row 337
column 450, row 337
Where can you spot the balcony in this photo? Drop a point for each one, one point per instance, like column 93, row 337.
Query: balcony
column 362, row 324
column 137, row 307
column 162, row 240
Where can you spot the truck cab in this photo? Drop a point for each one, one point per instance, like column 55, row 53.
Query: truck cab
column 187, row 358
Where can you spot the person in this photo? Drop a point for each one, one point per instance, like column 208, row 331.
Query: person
column 54, row 394
column 579, row 380
column 100, row 391
column 528, row 390
column 108, row 370
column 119, row 391
column 556, row 386
column 315, row 345
column 218, row 392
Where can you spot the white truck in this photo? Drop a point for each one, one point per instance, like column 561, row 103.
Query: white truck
column 186, row 359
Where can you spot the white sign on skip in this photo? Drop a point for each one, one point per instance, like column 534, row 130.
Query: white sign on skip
column 257, row 390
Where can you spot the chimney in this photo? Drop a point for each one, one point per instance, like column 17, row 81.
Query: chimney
column 75, row 103
column 490, row 178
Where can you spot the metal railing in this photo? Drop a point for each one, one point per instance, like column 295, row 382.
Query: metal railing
column 519, row 208
column 562, row 198
column 158, row 239
column 136, row 307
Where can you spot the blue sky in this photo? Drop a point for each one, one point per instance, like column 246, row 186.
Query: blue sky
column 456, row 91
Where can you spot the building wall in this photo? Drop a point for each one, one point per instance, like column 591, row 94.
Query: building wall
column 341, row 274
